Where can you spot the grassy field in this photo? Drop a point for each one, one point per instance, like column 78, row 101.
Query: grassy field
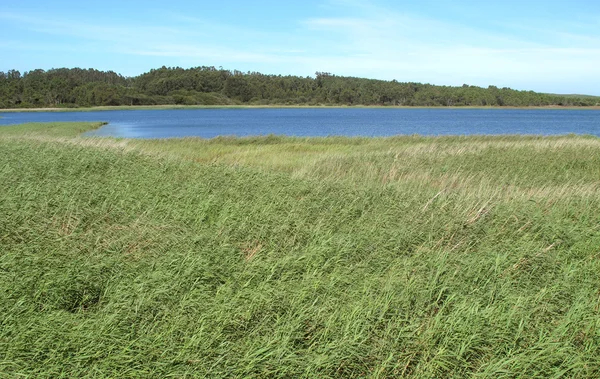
column 420, row 257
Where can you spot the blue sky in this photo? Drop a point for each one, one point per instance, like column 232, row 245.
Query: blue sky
column 548, row 46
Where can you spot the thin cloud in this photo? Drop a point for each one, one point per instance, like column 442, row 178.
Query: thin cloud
column 355, row 39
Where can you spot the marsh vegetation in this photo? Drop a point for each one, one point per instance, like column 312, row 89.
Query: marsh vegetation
column 298, row 257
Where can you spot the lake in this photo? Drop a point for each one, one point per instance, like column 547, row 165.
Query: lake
column 209, row 123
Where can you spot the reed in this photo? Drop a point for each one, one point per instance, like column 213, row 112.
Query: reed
column 298, row 257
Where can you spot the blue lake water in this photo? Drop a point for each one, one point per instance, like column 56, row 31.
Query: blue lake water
column 209, row 123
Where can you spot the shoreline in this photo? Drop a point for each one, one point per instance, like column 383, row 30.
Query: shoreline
column 189, row 107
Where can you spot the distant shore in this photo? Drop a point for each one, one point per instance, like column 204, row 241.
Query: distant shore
column 171, row 107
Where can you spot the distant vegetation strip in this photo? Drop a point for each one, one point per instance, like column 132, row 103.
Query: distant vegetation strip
column 275, row 106
column 210, row 86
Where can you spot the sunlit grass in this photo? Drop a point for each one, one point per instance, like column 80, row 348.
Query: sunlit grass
column 298, row 257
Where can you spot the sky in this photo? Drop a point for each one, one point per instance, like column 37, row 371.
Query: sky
column 546, row 46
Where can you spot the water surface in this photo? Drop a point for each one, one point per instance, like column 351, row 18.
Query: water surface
column 324, row 121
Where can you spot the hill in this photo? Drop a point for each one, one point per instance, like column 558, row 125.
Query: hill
column 211, row 86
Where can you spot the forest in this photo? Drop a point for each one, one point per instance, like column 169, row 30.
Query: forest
column 76, row 87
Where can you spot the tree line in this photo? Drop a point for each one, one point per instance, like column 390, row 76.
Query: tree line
column 78, row 87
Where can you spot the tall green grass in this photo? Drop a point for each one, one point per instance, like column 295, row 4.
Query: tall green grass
column 289, row 257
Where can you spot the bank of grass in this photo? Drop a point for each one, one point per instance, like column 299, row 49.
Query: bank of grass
column 291, row 257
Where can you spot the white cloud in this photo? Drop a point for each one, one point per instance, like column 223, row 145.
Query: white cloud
column 389, row 44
